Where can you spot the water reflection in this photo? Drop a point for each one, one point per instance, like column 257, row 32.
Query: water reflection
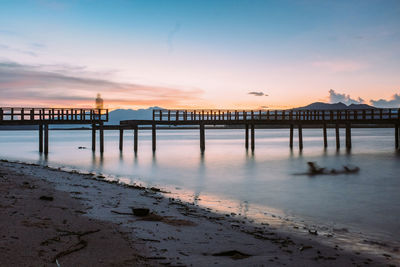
column 264, row 177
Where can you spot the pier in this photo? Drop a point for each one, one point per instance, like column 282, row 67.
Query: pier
column 251, row 120
column 43, row 117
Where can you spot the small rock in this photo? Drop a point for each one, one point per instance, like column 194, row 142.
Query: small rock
column 304, row 248
column 47, row 198
column 140, row 211
column 313, row 232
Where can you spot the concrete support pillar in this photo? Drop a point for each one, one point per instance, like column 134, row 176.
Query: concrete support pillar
column 291, row 136
column 300, row 128
column 325, row 136
column 40, row 138
column 46, row 139
column 93, row 137
column 101, row 130
column 202, row 138
column 396, row 136
column 121, row 139
column 246, row 143
column 348, row 135
column 153, row 137
column 252, row 137
column 135, row 139
column 337, row 136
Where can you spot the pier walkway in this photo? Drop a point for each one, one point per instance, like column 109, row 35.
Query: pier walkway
column 250, row 120
column 43, row 117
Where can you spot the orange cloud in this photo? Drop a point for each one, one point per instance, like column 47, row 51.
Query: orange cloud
column 37, row 86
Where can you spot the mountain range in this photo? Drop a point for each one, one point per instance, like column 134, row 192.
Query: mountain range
column 334, row 106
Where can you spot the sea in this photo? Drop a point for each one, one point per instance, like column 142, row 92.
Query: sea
column 269, row 185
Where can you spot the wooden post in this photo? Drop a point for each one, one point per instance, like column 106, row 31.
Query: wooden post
column 348, row 135
column 93, row 137
column 396, row 136
column 153, row 137
column 252, row 137
column 101, row 137
column 41, row 138
column 300, row 128
column 202, row 138
column 337, row 136
column 325, row 137
column 46, row 139
column 291, row 136
column 121, row 139
column 246, row 136
column 135, row 138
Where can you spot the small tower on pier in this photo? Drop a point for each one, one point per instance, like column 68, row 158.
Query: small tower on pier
column 99, row 102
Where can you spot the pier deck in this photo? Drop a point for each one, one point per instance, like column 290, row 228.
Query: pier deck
column 252, row 119
column 43, row 117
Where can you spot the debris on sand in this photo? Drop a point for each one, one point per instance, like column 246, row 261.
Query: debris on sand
column 47, row 198
column 233, row 254
column 140, row 212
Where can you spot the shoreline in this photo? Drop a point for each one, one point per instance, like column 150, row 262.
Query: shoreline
column 181, row 234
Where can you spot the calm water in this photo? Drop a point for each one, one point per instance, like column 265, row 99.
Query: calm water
column 227, row 177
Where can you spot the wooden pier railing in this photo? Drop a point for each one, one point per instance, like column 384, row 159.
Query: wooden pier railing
column 276, row 115
column 43, row 117
column 21, row 116
column 250, row 119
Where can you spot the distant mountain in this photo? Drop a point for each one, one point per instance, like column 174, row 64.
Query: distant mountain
column 19, row 127
column 335, row 106
column 360, row 106
column 115, row 116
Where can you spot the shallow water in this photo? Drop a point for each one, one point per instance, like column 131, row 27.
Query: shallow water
column 227, row 177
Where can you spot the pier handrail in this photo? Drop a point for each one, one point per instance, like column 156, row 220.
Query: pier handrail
column 52, row 114
column 277, row 115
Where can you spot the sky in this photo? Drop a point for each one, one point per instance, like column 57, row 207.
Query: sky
column 199, row 54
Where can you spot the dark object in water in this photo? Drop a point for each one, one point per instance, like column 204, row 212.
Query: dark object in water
column 140, row 212
column 47, row 198
column 349, row 170
column 82, row 147
column 314, row 169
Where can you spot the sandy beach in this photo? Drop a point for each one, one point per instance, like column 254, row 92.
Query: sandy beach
column 51, row 217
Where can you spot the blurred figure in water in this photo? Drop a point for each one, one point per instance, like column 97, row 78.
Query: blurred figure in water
column 99, row 102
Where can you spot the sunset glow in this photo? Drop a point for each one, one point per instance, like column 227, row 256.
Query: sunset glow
column 199, row 54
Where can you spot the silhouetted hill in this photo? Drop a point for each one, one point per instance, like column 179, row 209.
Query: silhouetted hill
column 335, row 106
column 118, row 115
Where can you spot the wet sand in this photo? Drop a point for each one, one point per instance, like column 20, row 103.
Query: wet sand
column 83, row 220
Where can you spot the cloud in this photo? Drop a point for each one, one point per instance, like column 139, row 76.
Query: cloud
column 392, row 103
column 257, row 93
column 346, row 99
column 61, row 85
column 37, row 45
column 21, row 51
column 339, row 65
column 171, row 36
